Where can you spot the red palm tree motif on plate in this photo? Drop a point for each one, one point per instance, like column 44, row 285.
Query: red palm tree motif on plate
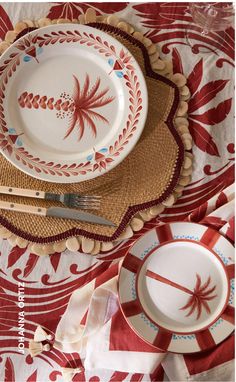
column 80, row 107
column 199, row 297
column 84, row 103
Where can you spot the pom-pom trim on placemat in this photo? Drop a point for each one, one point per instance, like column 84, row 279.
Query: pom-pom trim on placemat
column 162, row 67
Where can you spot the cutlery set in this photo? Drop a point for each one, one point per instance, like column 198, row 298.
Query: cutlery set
column 70, row 200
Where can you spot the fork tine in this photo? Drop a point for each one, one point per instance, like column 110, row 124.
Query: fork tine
column 88, row 197
column 87, row 207
column 86, row 201
column 86, row 204
column 82, row 201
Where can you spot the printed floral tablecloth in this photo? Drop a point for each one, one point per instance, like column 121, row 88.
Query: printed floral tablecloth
column 35, row 290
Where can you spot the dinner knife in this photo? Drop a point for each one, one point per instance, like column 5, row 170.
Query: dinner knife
column 58, row 212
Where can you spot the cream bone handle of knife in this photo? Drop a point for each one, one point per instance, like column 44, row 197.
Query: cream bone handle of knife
column 22, row 192
column 23, row 208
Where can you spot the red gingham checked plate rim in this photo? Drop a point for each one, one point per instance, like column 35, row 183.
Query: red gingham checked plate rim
column 176, row 287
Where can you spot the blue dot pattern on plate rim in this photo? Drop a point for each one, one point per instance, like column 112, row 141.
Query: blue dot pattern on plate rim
column 188, row 237
column 232, row 292
column 146, row 252
column 183, row 337
column 195, row 238
column 223, row 258
column 133, row 290
column 216, row 324
column 148, row 322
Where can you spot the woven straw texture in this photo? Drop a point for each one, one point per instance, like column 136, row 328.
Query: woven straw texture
column 142, row 177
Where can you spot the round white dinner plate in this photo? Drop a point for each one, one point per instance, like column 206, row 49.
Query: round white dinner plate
column 176, row 287
column 73, row 103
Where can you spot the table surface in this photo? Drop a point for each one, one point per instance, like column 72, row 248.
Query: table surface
column 210, row 79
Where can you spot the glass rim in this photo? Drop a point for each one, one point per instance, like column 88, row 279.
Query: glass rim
column 215, row 5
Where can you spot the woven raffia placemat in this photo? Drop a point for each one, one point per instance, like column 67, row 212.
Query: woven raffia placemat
column 142, row 186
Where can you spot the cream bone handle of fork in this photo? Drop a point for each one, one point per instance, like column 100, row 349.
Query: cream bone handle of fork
column 22, row 192
column 23, row 208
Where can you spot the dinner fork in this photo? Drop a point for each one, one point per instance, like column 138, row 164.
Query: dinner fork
column 68, row 199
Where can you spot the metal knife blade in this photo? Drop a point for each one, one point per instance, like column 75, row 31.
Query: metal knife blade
column 70, row 213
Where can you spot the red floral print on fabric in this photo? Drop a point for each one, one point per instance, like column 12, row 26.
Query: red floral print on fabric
column 201, row 96
column 168, row 21
column 9, row 370
column 32, row 377
column 5, row 23
column 161, row 15
column 73, row 10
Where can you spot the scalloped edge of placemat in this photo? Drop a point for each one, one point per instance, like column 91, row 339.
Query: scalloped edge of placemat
column 159, row 66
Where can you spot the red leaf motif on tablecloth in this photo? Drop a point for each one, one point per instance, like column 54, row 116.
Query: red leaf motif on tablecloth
column 30, row 265
column 202, row 138
column 72, row 10
column 216, row 114
column 201, row 97
column 177, row 62
column 32, row 377
column 9, row 371
column 160, row 15
column 206, row 94
column 55, row 259
column 195, row 77
column 14, row 255
column 5, row 23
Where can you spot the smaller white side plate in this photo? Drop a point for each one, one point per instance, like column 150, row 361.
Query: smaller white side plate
column 176, row 289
